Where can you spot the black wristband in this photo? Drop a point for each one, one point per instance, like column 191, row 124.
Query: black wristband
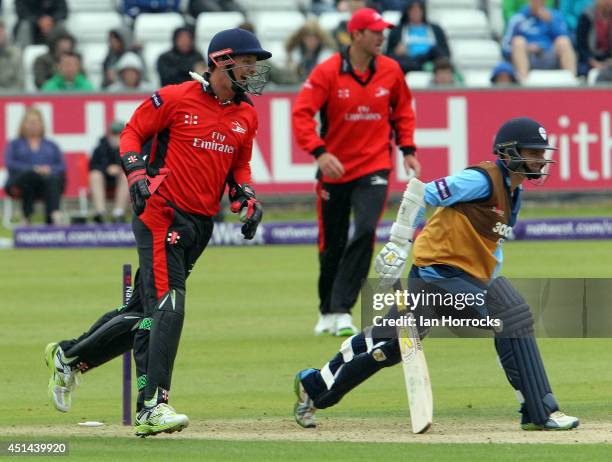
column 408, row 150
column 316, row 152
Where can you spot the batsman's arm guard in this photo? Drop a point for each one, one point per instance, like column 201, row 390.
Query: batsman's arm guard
column 391, row 260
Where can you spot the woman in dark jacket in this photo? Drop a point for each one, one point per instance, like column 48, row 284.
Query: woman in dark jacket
column 415, row 41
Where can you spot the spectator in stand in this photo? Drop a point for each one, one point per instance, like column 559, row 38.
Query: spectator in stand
column 307, row 47
column 511, row 7
column 46, row 65
column 324, row 6
column 200, row 6
column 572, row 9
column 416, row 41
column 130, row 75
column 36, row 168
column 69, row 76
column 443, row 72
column 391, row 5
column 341, row 34
column 278, row 75
column 503, row 74
column 37, row 20
column 133, row 8
column 174, row 65
column 119, row 42
column 105, row 173
column 11, row 70
column 594, row 37
column 537, row 38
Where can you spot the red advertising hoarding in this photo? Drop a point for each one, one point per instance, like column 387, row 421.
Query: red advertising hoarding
column 454, row 129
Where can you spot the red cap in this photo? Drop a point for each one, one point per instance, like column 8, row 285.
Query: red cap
column 367, row 18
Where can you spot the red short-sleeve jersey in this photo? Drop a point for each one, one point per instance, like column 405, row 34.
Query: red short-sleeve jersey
column 199, row 139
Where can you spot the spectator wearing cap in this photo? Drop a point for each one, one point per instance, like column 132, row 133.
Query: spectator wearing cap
column 105, row 173
column 174, row 65
column 11, row 70
column 364, row 101
column 503, row 74
column 416, row 41
column 69, row 76
column 129, row 72
column 537, row 38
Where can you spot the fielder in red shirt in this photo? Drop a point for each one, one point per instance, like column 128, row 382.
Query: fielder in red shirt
column 364, row 103
column 203, row 131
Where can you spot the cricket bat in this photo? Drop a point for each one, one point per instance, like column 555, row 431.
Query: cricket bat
column 414, row 365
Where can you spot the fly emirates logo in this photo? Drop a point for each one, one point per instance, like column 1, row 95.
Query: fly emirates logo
column 363, row 113
column 216, row 144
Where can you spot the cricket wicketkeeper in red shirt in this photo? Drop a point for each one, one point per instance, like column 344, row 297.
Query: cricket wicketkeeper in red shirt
column 364, row 103
column 203, row 131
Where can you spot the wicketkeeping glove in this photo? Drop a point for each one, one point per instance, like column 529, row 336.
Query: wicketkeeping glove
column 243, row 201
column 390, row 263
column 136, row 172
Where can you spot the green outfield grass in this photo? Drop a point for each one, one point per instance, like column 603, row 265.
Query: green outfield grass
column 248, row 329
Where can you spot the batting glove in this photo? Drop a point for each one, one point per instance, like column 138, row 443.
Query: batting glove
column 243, row 201
column 390, row 263
column 136, row 171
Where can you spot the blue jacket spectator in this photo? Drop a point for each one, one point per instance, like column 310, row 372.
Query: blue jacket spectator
column 594, row 36
column 36, row 168
column 415, row 41
column 537, row 38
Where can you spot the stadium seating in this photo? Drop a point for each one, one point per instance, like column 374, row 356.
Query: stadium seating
column 475, row 54
column 82, row 6
column 93, row 56
column 462, row 23
column 453, row 4
column 558, row 78
column 277, row 48
column 210, row 23
column 277, row 25
column 329, row 20
column 270, row 5
column 151, row 52
column 418, row 79
column 92, row 27
column 156, row 27
column 477, row 78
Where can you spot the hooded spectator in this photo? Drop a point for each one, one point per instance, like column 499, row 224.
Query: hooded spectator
column 415, row 41
column 45, row 65
column 307, row 47
column 119, row 42
column 11, row 70
column 129, row 74
column 173, row 66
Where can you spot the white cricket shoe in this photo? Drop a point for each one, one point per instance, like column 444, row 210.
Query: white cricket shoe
column 304, row 409
column 64, row 379
column 556, row 421
column 159, row 419
column 326, row 324
column 344, row 325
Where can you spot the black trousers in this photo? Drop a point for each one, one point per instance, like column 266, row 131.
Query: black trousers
column 31, row 186
column 169, row 243
column 344, row 262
